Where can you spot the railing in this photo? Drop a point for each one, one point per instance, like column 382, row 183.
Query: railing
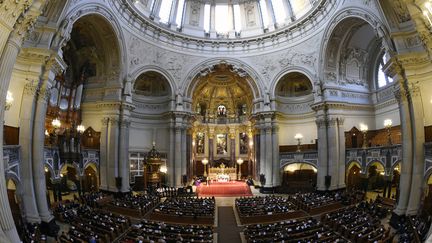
column 12, row 160
column 11, row 154
column 428, row 150
column 310, row 157
column 221, row 120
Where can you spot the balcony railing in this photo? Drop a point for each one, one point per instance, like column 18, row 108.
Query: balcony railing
column 221, row 120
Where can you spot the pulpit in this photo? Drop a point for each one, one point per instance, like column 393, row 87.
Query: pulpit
column 152, row 168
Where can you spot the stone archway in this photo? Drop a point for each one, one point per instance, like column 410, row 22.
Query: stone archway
column 299, row 176
column 353, row 175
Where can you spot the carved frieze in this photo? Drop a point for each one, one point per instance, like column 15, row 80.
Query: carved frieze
column 271, row 64
column 142, row 54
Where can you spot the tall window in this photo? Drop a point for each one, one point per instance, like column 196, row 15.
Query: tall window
column 264, row 13
column 180, row 10
column 221, row 18
column 279, row 11
column 237, row 17
column 207, row 17
column 165, row 10
column 382, row 78
column 300, row 7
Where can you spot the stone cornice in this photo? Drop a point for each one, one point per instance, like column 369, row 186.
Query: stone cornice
column 340, row 105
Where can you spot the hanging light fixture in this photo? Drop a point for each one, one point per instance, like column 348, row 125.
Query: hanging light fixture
column 80, row 129
column 56, row 123
column 9, row 100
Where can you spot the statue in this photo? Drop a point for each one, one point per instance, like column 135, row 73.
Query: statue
column 179, row 98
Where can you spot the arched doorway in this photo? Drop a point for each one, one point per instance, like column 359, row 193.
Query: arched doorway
column 14, row 202
column 353, row 176
column 90, row 179
column 69, row 181
column 375, row 173
column 299, row 177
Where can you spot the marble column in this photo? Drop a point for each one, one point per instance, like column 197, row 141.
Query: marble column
column 124, row 154
column 275, row 153
column 109, row 164
column 268, row 156
column 156, row 9
column 262, row 151
column 288, row 9
column 233, row 148
column 7, row 61
column 211, row 147
column 171, row 158
column 103, row 163
column 333, row 153
column 184, row 161
column 213, row 20
column 173, row 14
column 418, row 139
column 38, row 152
column 322, row 153
column 178, row 162
column 25, row 140
column 271, row 16
column 342, row 152
column 406, row 164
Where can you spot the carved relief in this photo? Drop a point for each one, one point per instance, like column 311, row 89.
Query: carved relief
column 143, row 54
column 353, row 67
column 401, row 11
column 272, row 64
column 194, row 17
column 249, row 8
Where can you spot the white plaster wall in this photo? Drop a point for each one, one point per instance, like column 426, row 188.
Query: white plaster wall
column 354, row 121
column 388, row 112
column 141, row 137
column 426, row 94
column 287, row 131
column 16, row 86
column 91, row 120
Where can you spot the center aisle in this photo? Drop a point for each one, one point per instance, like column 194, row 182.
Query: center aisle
column 228, row 231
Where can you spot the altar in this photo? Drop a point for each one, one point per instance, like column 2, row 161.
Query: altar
column 222, row 173
column 222, row 178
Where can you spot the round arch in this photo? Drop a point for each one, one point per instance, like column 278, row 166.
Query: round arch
column 48, row 167
column 73, row 165
column 152, row 68
column 253, row 79
column 353, row 163
column 14, row 178
column 88, row 9
column 294, row 69
column 375, row 162
column 349, row 13
column 286, row 163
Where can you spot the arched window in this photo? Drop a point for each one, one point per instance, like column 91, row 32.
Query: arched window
column 207, row 18
column 165, row 10
column 382, row 78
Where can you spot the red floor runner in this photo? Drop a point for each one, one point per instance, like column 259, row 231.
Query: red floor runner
column 224, row 189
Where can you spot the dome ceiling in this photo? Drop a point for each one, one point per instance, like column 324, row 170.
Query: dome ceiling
column 294, row 85
column 222, row 87
column 223, row 18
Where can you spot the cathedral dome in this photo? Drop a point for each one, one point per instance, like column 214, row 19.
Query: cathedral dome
column 224, row 19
